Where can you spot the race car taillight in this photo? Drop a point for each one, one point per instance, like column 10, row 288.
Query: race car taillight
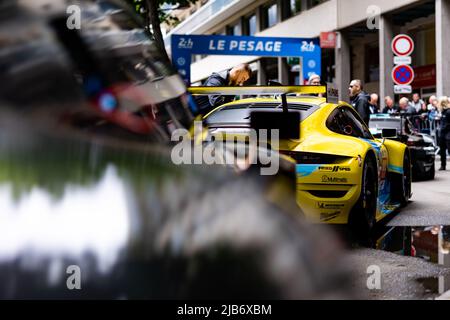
column 314, row 158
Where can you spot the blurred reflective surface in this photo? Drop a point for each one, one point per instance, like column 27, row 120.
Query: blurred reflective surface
column 140, row 227
column 86, row 178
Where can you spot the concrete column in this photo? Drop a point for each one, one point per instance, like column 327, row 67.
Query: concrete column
column 304, row 4
column 386, row 34
column 442, row 47
column 283, row 72
column 280, row 9
column 258, row 19
column 343, row 68
column 283, row 68
column 261, row 77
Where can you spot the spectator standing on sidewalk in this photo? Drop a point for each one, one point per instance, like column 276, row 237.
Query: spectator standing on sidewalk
column 444, row 131
column 423, row 112
column 432, row 103
column 389, row 105
column 373, row 104
column 359, row 99
column 432, row 107
column 416, row 102
column 314, row 80
column 406, row 107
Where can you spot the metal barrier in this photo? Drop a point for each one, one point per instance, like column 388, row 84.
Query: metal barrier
column 425, row 124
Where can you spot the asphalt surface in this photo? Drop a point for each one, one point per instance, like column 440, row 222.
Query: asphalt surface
column 402, row 278
column 405, row 277
column 430, row 203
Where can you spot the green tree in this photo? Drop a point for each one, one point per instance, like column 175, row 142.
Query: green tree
column 154, row 12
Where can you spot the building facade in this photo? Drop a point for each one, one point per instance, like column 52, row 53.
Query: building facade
column 365, row 29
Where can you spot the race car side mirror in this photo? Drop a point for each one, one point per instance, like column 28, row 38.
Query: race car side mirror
column 389, row 133
column 287, row 123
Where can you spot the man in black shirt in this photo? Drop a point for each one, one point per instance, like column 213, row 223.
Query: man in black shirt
column 359, row 100
column 390, row 106
column 236, row 76
column 373, row 104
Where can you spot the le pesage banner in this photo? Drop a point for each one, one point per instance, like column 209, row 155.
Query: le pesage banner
column 184, row 46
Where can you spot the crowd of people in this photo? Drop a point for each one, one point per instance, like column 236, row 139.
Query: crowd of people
column 436, row 113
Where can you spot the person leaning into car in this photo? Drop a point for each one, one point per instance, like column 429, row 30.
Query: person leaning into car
column 236, row 76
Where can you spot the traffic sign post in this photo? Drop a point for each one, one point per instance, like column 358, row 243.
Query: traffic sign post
column 402, row 73
column 402, row 45
column 402, row 89
column 402, row 60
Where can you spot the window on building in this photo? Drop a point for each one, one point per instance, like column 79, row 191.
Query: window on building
column 249, row 25
column 270, row 67
column 293, row 65
column 372, row 62
column 235, row 29
column 272, row 16
column 425, row 44
column 328, row 65
column 290, row 8
column 269, row 16
column 313, row 3
column 221, row 32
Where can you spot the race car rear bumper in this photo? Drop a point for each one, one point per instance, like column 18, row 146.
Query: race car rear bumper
column 327, row 193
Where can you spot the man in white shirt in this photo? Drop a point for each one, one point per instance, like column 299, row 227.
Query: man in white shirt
column 416, row 102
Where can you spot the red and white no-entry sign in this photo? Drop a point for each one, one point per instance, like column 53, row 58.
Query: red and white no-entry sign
column 402, row 74
column 402, row 45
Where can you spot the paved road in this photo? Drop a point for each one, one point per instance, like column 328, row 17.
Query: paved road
column 430, row 203
column 408, row 277
column 401, row 277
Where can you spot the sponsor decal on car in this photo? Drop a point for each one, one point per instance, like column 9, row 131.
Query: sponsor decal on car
column 334, row 169
column 334, row 179
column 304, row 170
column 330, row 205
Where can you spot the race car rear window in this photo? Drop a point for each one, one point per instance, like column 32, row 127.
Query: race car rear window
column 240, row 114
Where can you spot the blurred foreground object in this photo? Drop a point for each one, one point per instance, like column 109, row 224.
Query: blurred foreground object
column 81, row 187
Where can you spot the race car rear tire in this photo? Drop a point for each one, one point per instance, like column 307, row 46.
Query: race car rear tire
column 401, row 183
column 362, row 218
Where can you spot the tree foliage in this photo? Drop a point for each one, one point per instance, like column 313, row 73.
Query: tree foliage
column 155, row 12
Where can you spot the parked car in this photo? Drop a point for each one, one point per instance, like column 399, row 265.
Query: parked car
column 421, row 146
column 344, row 174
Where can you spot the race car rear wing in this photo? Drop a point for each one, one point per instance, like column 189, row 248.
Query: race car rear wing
column 257, row 90
column 331, row 93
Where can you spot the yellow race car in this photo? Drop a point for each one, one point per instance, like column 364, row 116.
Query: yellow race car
column 344, row 174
